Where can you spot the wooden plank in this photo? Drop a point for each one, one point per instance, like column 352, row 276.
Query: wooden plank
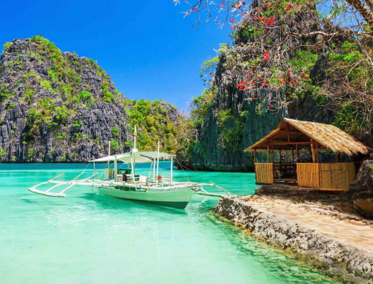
column 336, row 176
column 308, row 174
column 264, row 173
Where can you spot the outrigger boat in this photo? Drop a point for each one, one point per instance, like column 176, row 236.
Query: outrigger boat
column 117, row 181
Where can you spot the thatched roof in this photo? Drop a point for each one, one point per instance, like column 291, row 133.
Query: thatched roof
column 291, row 131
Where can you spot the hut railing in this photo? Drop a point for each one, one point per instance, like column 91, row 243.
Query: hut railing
column 326, row 176
column 264, row 173
column 308, row 174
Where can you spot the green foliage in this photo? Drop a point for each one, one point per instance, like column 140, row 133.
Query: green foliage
column 77, row 123
column 85, row 96
column 2, row 152
column 30, row 154
column 59, row 135
column 153, row 124
column 114, row 144
column 200, row 105
column 11, row 105
column 28, row 95
column 62, row 114
column 208, row 70
column 7, row 45
column 46, row 85
column 4, row 92
column 349, row 118
column 115, row 131
column 108, row 97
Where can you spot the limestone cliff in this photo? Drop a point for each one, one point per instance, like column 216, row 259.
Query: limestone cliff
column 58, row 107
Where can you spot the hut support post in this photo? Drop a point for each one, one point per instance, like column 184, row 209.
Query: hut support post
column 297, row 152
column 313, row 153
column 337, row 157
column 268, row 153
column 254, row 155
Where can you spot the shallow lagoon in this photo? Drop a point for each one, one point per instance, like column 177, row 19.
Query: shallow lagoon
column 91, row 238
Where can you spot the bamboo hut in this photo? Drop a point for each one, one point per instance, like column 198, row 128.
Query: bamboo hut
column 292, row 136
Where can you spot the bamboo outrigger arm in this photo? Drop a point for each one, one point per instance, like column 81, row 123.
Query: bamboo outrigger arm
column 204, row 192
column 70, row 184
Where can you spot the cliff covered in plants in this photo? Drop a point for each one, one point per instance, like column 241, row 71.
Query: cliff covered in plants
column 285, row 61
column 58, row 107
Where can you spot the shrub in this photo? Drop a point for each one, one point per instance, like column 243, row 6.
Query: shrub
column 7, row 45
column 11, row 105
column 84, row 96
column 114, row 144
column 115, row 131
column 108, row 97
column 77, row 123
column 2, row 152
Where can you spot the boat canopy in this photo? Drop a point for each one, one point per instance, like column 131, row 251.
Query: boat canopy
column 139, row 157
column 153, row 155
column 125, row 158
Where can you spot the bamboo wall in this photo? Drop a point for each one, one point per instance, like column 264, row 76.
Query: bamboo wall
column 308, row 174
column 264, row 173
column 336, row 175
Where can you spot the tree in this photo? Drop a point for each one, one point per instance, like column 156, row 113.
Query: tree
column 285, row 49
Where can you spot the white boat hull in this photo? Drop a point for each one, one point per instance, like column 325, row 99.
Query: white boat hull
column 178, row 198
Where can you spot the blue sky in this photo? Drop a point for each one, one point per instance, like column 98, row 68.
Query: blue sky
column 147, row 47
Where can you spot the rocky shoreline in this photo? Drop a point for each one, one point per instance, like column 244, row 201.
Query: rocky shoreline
column 334, row 257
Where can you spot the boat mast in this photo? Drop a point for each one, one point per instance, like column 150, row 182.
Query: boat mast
column 157, row 161
column 171, row 169
column 133, row 156
column 115, row 168
column 108, row 162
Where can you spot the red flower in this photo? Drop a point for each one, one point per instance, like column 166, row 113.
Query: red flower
column 307, row 77
column 222, row 4
column 231, row 20
column 248, row 76
column 288, row 6
column 302, row 75
column 270, row 106
column 268, row 5
column 270, row 21
column 195, row 8
column 244, row 82
column 266, row 85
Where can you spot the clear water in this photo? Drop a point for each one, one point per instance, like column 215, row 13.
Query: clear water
column 91, row 238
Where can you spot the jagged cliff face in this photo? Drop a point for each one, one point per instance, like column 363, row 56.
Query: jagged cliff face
column 58, row 107
column 235, row 121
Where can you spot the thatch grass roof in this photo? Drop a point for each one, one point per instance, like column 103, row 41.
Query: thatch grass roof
column 325, row 135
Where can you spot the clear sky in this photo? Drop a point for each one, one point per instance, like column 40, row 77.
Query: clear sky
column 147, row 47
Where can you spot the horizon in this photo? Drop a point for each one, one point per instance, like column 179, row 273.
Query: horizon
column 162, row 61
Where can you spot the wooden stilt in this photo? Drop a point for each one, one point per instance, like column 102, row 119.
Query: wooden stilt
column 317, row 152
column 337, row 157
column 268, row 153
column 254, row 155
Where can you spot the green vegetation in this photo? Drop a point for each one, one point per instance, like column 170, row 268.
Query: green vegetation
column 153, row 123
column 2, row 152
column 115, row 131
column 7, row 45
column 114, row 144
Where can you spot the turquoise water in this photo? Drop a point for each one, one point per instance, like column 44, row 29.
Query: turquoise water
column 91, row 238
